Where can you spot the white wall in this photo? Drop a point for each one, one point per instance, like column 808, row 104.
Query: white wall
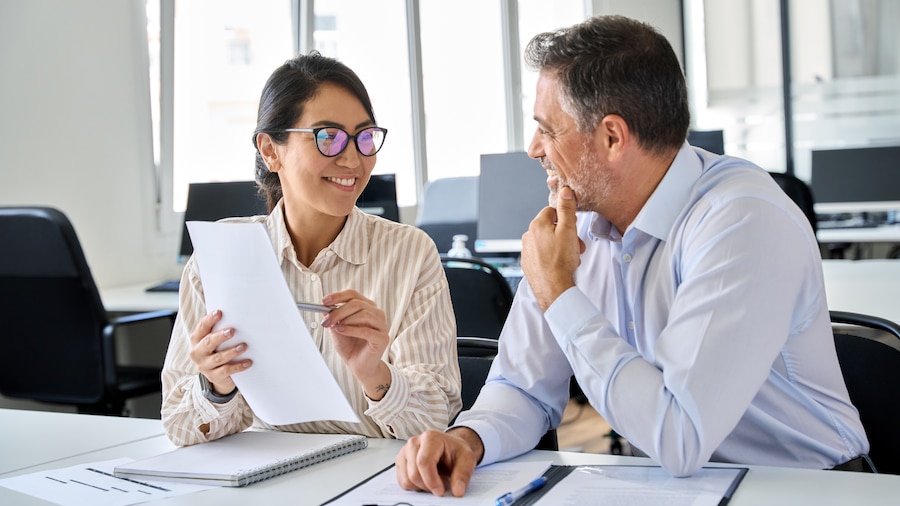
column 75, row 128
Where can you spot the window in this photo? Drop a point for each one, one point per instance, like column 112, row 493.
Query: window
column 224, row 50
column 370, row 37
column 844, row 79
column 537, row 16
column 734, row 76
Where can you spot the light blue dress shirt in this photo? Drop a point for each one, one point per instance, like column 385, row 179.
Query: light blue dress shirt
column 701, row 334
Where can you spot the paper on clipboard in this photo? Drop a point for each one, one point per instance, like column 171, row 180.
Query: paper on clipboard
column 289, row 381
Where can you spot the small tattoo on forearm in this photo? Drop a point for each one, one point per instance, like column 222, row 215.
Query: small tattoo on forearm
column 383, row 388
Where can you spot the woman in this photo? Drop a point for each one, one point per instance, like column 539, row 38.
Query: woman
column 391, row 343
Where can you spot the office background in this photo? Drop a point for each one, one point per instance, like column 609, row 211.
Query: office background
column 77, row 129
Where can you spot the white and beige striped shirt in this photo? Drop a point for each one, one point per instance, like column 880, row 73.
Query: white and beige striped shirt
column 395, row 265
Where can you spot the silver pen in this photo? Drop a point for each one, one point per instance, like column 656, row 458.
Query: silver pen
column 319, row 308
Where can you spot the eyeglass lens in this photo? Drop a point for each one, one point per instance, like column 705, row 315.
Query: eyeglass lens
column 332, row 141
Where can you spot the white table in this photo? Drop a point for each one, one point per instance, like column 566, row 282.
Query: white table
column 29, row 438
column 135, row 299
column 884, row 233
column 323, row 481
column 864, row 286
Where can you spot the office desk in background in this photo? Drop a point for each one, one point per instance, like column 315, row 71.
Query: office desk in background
column 864, row 286
column 884, row 233
column 136, row 299
column 321, row 482
column 860, row 286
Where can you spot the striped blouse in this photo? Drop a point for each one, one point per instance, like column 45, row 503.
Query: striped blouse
column 395, row 265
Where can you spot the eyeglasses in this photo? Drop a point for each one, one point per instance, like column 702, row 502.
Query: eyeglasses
column 331, row 141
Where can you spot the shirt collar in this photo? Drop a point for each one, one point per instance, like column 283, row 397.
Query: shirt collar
column 671, row 196
column 351, row 245
column 665, row 204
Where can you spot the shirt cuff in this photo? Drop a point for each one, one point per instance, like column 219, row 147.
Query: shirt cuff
column 490, row 439
column 568, row 314
column 209, row 410
column 394, row 401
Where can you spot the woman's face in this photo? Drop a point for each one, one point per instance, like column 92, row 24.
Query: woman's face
column 312, row 181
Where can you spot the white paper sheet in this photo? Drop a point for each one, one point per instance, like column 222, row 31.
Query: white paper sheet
column 289, row 381
column 95, row 484
column 639, row 486
column 487, row 484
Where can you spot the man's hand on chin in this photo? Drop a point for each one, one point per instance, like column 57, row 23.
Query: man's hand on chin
column 551, row 249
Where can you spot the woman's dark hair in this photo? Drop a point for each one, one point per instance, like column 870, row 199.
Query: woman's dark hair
column 616, row 65
column 286, row 92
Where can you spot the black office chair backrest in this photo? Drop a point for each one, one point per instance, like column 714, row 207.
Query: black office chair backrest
column 710, row 140
column 475, row 357
column 481, row 296
column 871, row 370
column 800, row 193
column 379, row 197
column 476, row 354
column 51, row 310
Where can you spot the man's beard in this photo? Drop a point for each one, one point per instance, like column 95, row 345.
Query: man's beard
column 589, row 182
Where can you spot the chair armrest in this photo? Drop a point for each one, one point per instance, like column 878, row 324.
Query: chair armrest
column 865, row 320
column 109, row 334
column 144, row 317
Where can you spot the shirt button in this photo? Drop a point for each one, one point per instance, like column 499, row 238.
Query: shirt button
column 626, row 257
column 631, row 325
column 314, row 277
column 314, row 325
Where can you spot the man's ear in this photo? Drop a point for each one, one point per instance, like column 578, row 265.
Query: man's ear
column 266, row 147
column 613, row 135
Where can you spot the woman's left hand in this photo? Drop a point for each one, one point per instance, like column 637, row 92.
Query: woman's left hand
column 360, row 332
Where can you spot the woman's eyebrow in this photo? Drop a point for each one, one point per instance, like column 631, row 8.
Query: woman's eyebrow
column 327, row 123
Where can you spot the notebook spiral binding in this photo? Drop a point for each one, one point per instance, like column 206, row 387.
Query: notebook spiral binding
column 284, row 466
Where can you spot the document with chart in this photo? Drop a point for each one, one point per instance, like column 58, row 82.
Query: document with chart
column 289, row 381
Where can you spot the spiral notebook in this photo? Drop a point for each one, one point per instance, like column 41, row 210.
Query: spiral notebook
column 243, row 458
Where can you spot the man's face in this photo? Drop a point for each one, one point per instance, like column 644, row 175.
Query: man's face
column 569, row 157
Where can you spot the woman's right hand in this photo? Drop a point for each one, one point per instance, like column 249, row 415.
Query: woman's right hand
column 217, row 366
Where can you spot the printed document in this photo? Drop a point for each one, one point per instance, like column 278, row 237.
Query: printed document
column 289, row 381
column 641, row 486
column 95, row 484
column 487, row 484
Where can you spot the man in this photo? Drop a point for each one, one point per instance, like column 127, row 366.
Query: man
column 685, row 295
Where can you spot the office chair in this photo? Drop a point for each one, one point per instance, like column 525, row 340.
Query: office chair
column 449, row 207
column 481, row 296
column 57, row 335
column 379, row 197
column 476, row 354
column 710, row 140
column 870, row 368
column 800, row 193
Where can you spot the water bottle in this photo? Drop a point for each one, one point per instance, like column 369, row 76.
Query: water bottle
column 459, row 249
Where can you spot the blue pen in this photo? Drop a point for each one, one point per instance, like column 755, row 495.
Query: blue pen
column 511, row 497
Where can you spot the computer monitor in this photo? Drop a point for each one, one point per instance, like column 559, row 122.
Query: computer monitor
column 512, row 189
column 710, row 140
column 380, row 197
column 856, row 179
column 214, row 201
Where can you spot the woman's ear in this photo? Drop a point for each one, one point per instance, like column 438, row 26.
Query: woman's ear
column 266, row 147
